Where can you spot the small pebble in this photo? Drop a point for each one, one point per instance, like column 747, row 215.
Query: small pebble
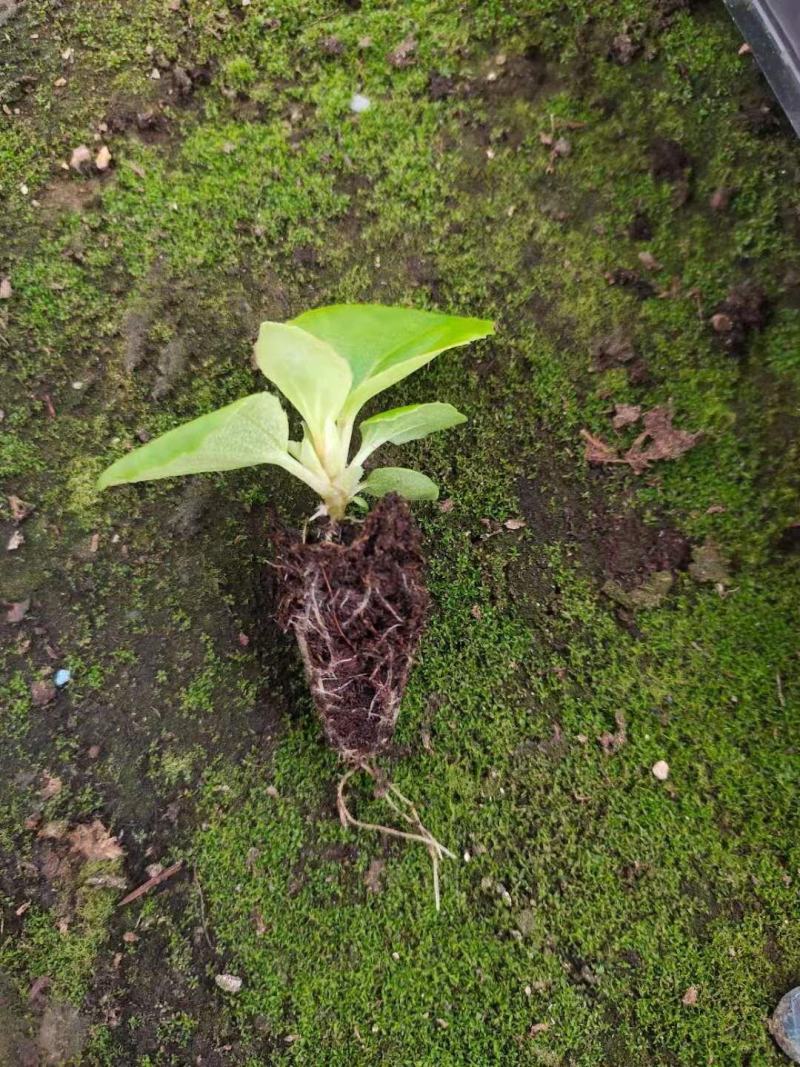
column 228, row 983
column 359, row 103
column 785, row 1024
column 661, row 770
column 62, row 677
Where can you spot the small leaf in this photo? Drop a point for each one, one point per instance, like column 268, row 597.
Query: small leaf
column 306, row 369
column 248, row 431
column 383, row 345
column 410, row 484
column 407, row 424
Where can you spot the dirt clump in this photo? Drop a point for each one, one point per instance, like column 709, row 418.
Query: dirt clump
column 670, row 162
column 743, row 311
column 356, row 602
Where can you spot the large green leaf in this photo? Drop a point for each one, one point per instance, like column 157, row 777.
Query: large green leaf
column 248, row 431
column 406, row 424
column 383, row 345
column 309, row 373
column 410, row 484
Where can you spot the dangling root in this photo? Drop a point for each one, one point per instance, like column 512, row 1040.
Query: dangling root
column 389, row 791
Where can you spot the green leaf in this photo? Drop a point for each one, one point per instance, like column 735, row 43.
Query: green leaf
column 309, row 373
column 248, row 431
column 410, row 484
column 406, row 424
column 382, row 345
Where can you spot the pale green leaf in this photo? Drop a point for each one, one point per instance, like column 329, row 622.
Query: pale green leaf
column 382, row 345
column 309, row 373
column 248, row 431
column 406, row 424
column 410, row 484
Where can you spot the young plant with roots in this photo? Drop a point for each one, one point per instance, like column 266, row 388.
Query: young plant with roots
column 352, row 591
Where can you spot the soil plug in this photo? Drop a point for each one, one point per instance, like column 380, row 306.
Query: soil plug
column 352, row 591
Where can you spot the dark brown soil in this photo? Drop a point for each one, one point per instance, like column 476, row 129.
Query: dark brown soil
column 356, row 602
column 742, row 311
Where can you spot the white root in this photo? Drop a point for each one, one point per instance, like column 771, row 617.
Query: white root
column 420, row 833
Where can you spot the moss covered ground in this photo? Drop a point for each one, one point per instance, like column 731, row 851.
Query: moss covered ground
column 515, row 160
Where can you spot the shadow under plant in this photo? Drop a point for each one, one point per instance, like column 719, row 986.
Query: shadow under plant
column 613, row 184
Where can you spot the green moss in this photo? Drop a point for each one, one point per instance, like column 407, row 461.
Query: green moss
column 66, row 955
column 593, row 895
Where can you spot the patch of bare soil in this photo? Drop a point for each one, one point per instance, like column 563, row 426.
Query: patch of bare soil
column 634, row 561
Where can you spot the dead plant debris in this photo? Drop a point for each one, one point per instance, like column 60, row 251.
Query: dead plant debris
column 373, row 878
column 659, row 440
column 93, row 842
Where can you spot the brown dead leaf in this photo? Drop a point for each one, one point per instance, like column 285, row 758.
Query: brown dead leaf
column 6, row 292
column 689, row 998
column 51, row 786
column 42, row 693
column 403, row 55
column 15, row 540
column 538, row 1028
column 94, row 842
column 17, row 612
column 373, row 878
column 649, row 261
column 20, row 509
column 626, row 415
column 660, row 440
column 447, row 505
column 613, row 742
column 514, row 524
column 597, row 451
column 55, row 830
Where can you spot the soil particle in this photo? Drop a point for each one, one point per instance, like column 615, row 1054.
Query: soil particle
column 669, row 162
column 356, row 602
column 632, row 550
column 789, row 539
column 331, row 45
column 171, row 365
column 520, row 77
column 629, row 279
column 612, row 351
column 640, row 228
column 441, row 86
column 8, row 9
column 743, row 310
column 708, row 565
column 194, row 510
column 720, row 199
column 624, row 49
column 762, row 118
column 62, row 1034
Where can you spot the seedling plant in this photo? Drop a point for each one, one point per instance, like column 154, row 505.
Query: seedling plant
column 352, row 591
